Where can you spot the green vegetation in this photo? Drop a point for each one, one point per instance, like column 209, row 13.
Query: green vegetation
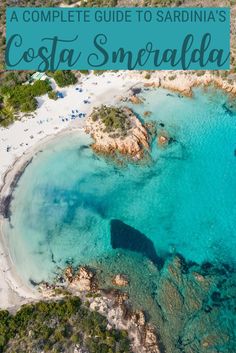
column 200, row 73
column 63, row 78
column 148, row 76
column 172, row 77
column 98, row 72
column 20, row 98
column 58, row 327
column 84, row 72
column 114, row 119
column 52, row 95
column 12, row 78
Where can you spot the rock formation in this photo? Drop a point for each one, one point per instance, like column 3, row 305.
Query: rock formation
column 83, row 280
column 113, row 304
column 163, row 140
column 147, row 113
column 120, row 280
column 133, row 142
column 135, row 99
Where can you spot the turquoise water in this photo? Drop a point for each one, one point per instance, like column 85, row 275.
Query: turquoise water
column 184, row 201
column 178, row 210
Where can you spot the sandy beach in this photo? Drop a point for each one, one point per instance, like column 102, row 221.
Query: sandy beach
column 20, row 141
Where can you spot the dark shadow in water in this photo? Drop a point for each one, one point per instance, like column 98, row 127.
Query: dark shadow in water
column 126, row 237
column 33, row 283
column 83, row 147
column 228, row 109
column 136, row 90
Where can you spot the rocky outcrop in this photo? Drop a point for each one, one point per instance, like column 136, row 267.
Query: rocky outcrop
column 135, row 99
column 142, row 335
column 69, row 273
column 113, row 304
column 138, row 318
column 190, row 301
column 163, row 140
column 83, row 280
column 150, row 340
column 120, row 280
column 133, row 143
column 183, row 83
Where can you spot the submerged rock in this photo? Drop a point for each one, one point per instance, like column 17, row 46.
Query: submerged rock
column 170, row 298
column 227, row 108
column 120, row 280
column 151, row 127
column 147, row 113
column 126, row 237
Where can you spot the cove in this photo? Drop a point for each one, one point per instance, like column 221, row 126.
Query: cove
column 183, row 202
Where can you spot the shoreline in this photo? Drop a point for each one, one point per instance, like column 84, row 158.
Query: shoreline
column 18, row 292
column 14, row 291
column 108, row 88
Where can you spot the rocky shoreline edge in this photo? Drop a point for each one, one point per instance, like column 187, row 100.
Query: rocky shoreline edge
column 187, row 296
column 184, row 82
column 114, row 304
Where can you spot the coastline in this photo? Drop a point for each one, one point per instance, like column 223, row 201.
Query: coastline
column 105, row 89
column 15, row 291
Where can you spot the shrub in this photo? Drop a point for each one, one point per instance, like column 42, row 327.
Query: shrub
column 57, row 326
column 200, row 73
column 113, row 118
column 20, row 98
column 64, row 78
column 52, row 95
column 84, row 72
column 98, row 72
column 29, row 106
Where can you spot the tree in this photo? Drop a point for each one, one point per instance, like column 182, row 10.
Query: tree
column 64, row 78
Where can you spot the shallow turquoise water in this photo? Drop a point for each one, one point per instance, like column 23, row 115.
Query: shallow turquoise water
column 184, row 202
